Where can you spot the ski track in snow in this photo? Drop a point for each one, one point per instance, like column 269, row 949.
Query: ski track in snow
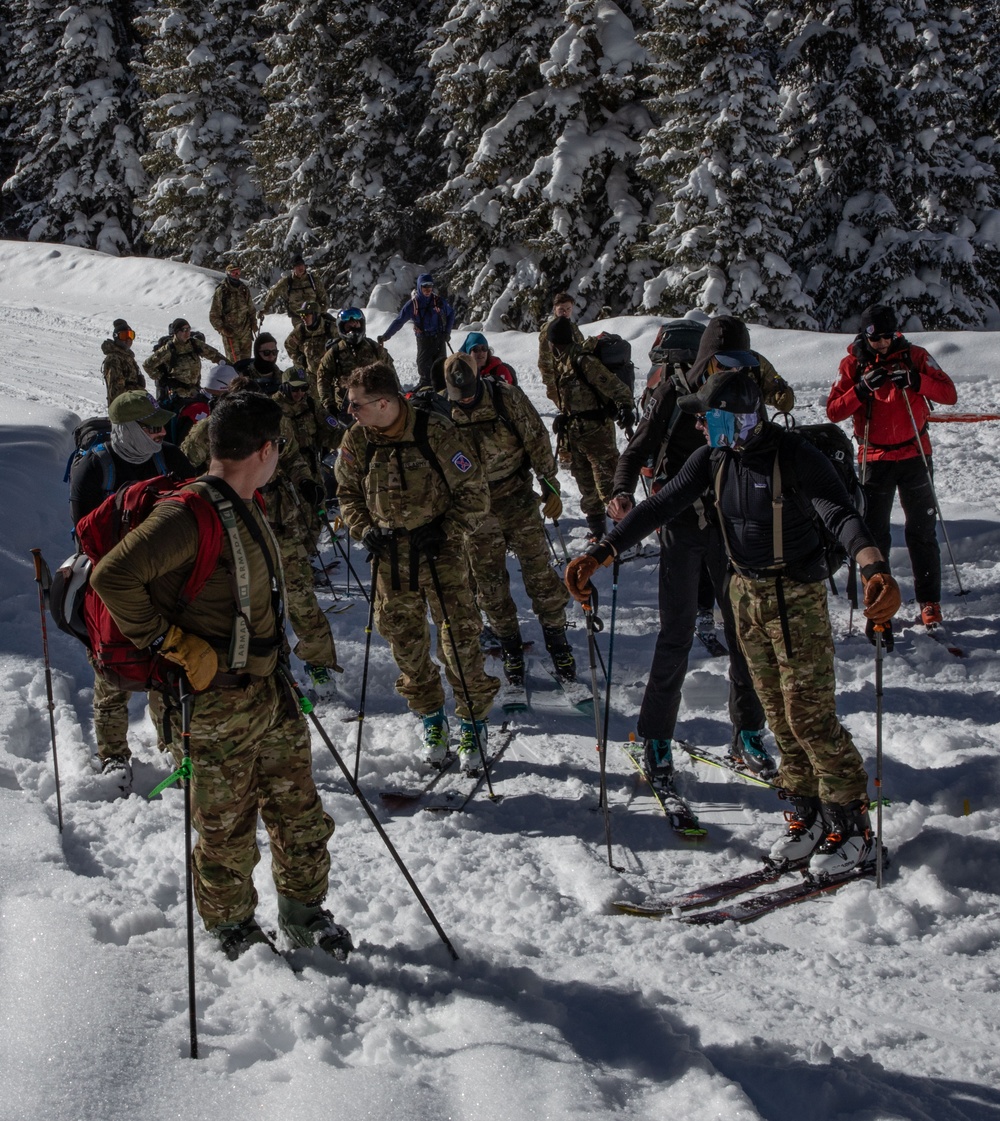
column 863, row 1004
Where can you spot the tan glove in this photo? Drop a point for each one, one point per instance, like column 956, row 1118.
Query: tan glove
column 552, row 506
column 580, row 569
column 882, row 598
column 193, row 655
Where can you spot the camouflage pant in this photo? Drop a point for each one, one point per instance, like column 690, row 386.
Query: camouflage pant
column 818, row 755
column 593, row 458
column 238, row 345
column 110, row 718
column 401, row 619
column 311, row 626
column 514, row 523
column 249, row 756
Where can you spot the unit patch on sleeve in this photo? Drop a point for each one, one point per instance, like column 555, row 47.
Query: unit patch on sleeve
column 461, row 461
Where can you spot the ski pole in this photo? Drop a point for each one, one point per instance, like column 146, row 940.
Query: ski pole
column 930, row 481
column 446, row 628
column 879, row 628
column 308, row 710
column 616, row 568
column 594, row 624
column 44, row 580
column 552, row 547
column 187, row 708
column 864, row 478
column 562, row 540
column 364, row 673
column 346, row 554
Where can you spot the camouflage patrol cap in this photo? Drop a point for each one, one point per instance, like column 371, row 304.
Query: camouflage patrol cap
column 295, row 377
column 137, row 405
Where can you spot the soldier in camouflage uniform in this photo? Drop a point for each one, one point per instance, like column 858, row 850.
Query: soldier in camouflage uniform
column 234, row 316
column 315, row 431
column 780, row 604
column 510, row 441
column 587, row 395
column 310, row 340
column 120, row 369
column 286, row 493
column 294, row 292
column 249, row 743
column 410, row 489
column 176, row 365
column 352, row 351
column 562, row 308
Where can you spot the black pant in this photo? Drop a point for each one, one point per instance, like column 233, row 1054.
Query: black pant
column 916, row 496
column 684, row 548
column 430, row 348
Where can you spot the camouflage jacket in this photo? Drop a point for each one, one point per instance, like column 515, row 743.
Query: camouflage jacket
column 338, row 363
column 306, row 346
column 545, row 355
column 579, row 383
column 507, row 435
column 120, row 370
column 178, row 365
column 232, row 311
column 315, row 430
column 291, row 292
column 389, row 483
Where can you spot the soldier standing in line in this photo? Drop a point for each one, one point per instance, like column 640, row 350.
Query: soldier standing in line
column 352, row 350
column 300, row 287
column 432, row 318
column 175, row 365
column 120, row 369
column 234, row 316
column 410, row 490
column 315, row 333
column 509, row 440
column 562, row 308
column 249, row 741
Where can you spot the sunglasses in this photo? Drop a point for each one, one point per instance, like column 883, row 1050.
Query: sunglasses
column 279, row 443
column 879, row 338
column 268, row 353
column 479, row 350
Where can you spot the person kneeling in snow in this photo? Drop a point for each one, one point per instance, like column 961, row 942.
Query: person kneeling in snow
column 780, row 605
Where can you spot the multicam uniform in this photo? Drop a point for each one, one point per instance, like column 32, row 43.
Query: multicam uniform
column 293, row 291
column 120, row 369
column 385, row 481
column 311, row 626
column 305, row 347
column 510, row 441
column 250, row 748
column 583, row 388
column 234, row 316
column 176, row 367
column 339, row 362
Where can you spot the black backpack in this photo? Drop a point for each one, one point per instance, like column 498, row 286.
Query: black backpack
column 92, row 438
column 615, row 353
column 673, row 352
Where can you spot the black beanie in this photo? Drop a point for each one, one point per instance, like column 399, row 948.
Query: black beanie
column 120, row 325
column 560, row 332
column 879, row 319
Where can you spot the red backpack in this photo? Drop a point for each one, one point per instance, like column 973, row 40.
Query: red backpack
column 77, row 609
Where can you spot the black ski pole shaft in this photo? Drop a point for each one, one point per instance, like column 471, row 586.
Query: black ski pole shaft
column 364, row 673
column 864, row 477
column 594, row 625
column 930, row 481
column 562, row 540
column 44, row 580
column 187, row 707
column 307, row 709
column 616, row 568
column 552, row 546
column 879, row 648
column 446, row 628
column 346, row 554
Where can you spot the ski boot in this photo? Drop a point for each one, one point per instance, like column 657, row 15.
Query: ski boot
column 469, row 758
column 849, row 842
column 658, row 760
column 930, row 614
column 488, row 638
column 118, row 769
column 748, row 749
column 805, row 828
column 435, row 737
column 309, row 924
column 235, row 938
column 561, row 652
column 512, row 651
column 321, row 683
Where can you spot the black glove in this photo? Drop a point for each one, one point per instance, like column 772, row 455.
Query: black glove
column 558, row 423
column 887, row 639
column 905, row 376
column 627, row 416
column 870, row 380
column 428, row 539
column 311, row 492
column 376, row 542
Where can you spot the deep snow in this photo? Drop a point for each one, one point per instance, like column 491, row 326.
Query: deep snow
column 862, row 1005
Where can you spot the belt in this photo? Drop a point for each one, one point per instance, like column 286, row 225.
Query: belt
column 234, row 680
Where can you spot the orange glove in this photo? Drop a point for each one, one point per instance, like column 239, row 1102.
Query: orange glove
column 882, row 598
column 193, row 655
column 580, row 569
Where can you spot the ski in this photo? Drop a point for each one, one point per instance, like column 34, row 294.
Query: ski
column 754, row 906
column 512, row 698
column 941, row 636
column 575, row 692
column 705, row 894
column 682, row 820
column 395, row 799
column 725, row 762
column 713, row 644
column 459, row 795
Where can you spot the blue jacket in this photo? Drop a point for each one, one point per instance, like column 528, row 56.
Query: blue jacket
column 431, row 315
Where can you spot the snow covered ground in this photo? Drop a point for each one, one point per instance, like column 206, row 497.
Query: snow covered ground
column 865, row 1005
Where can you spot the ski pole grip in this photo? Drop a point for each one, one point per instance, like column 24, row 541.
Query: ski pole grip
column 37, row 557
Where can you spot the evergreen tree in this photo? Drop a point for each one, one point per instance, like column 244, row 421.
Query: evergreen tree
column 335, row 153
column 539, row 100
column 74, row 113
column 202, row 78
column 726, row 213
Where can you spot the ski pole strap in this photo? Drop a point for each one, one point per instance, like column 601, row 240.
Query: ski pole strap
column 183, row 774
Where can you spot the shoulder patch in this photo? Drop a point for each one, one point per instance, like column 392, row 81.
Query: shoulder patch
column 345, row 455
column 462, row 461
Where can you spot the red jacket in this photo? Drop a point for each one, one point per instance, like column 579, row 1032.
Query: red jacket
column 890, row 432
column 497, row 369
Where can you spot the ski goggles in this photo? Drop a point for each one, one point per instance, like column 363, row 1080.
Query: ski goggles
column 129, row 334
column 729, row 430
column 351, row 315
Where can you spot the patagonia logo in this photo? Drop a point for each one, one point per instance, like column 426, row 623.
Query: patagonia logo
column 461, row 461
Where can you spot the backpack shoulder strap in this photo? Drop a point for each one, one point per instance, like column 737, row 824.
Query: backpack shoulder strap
column 500, row 408
column 102, row 453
